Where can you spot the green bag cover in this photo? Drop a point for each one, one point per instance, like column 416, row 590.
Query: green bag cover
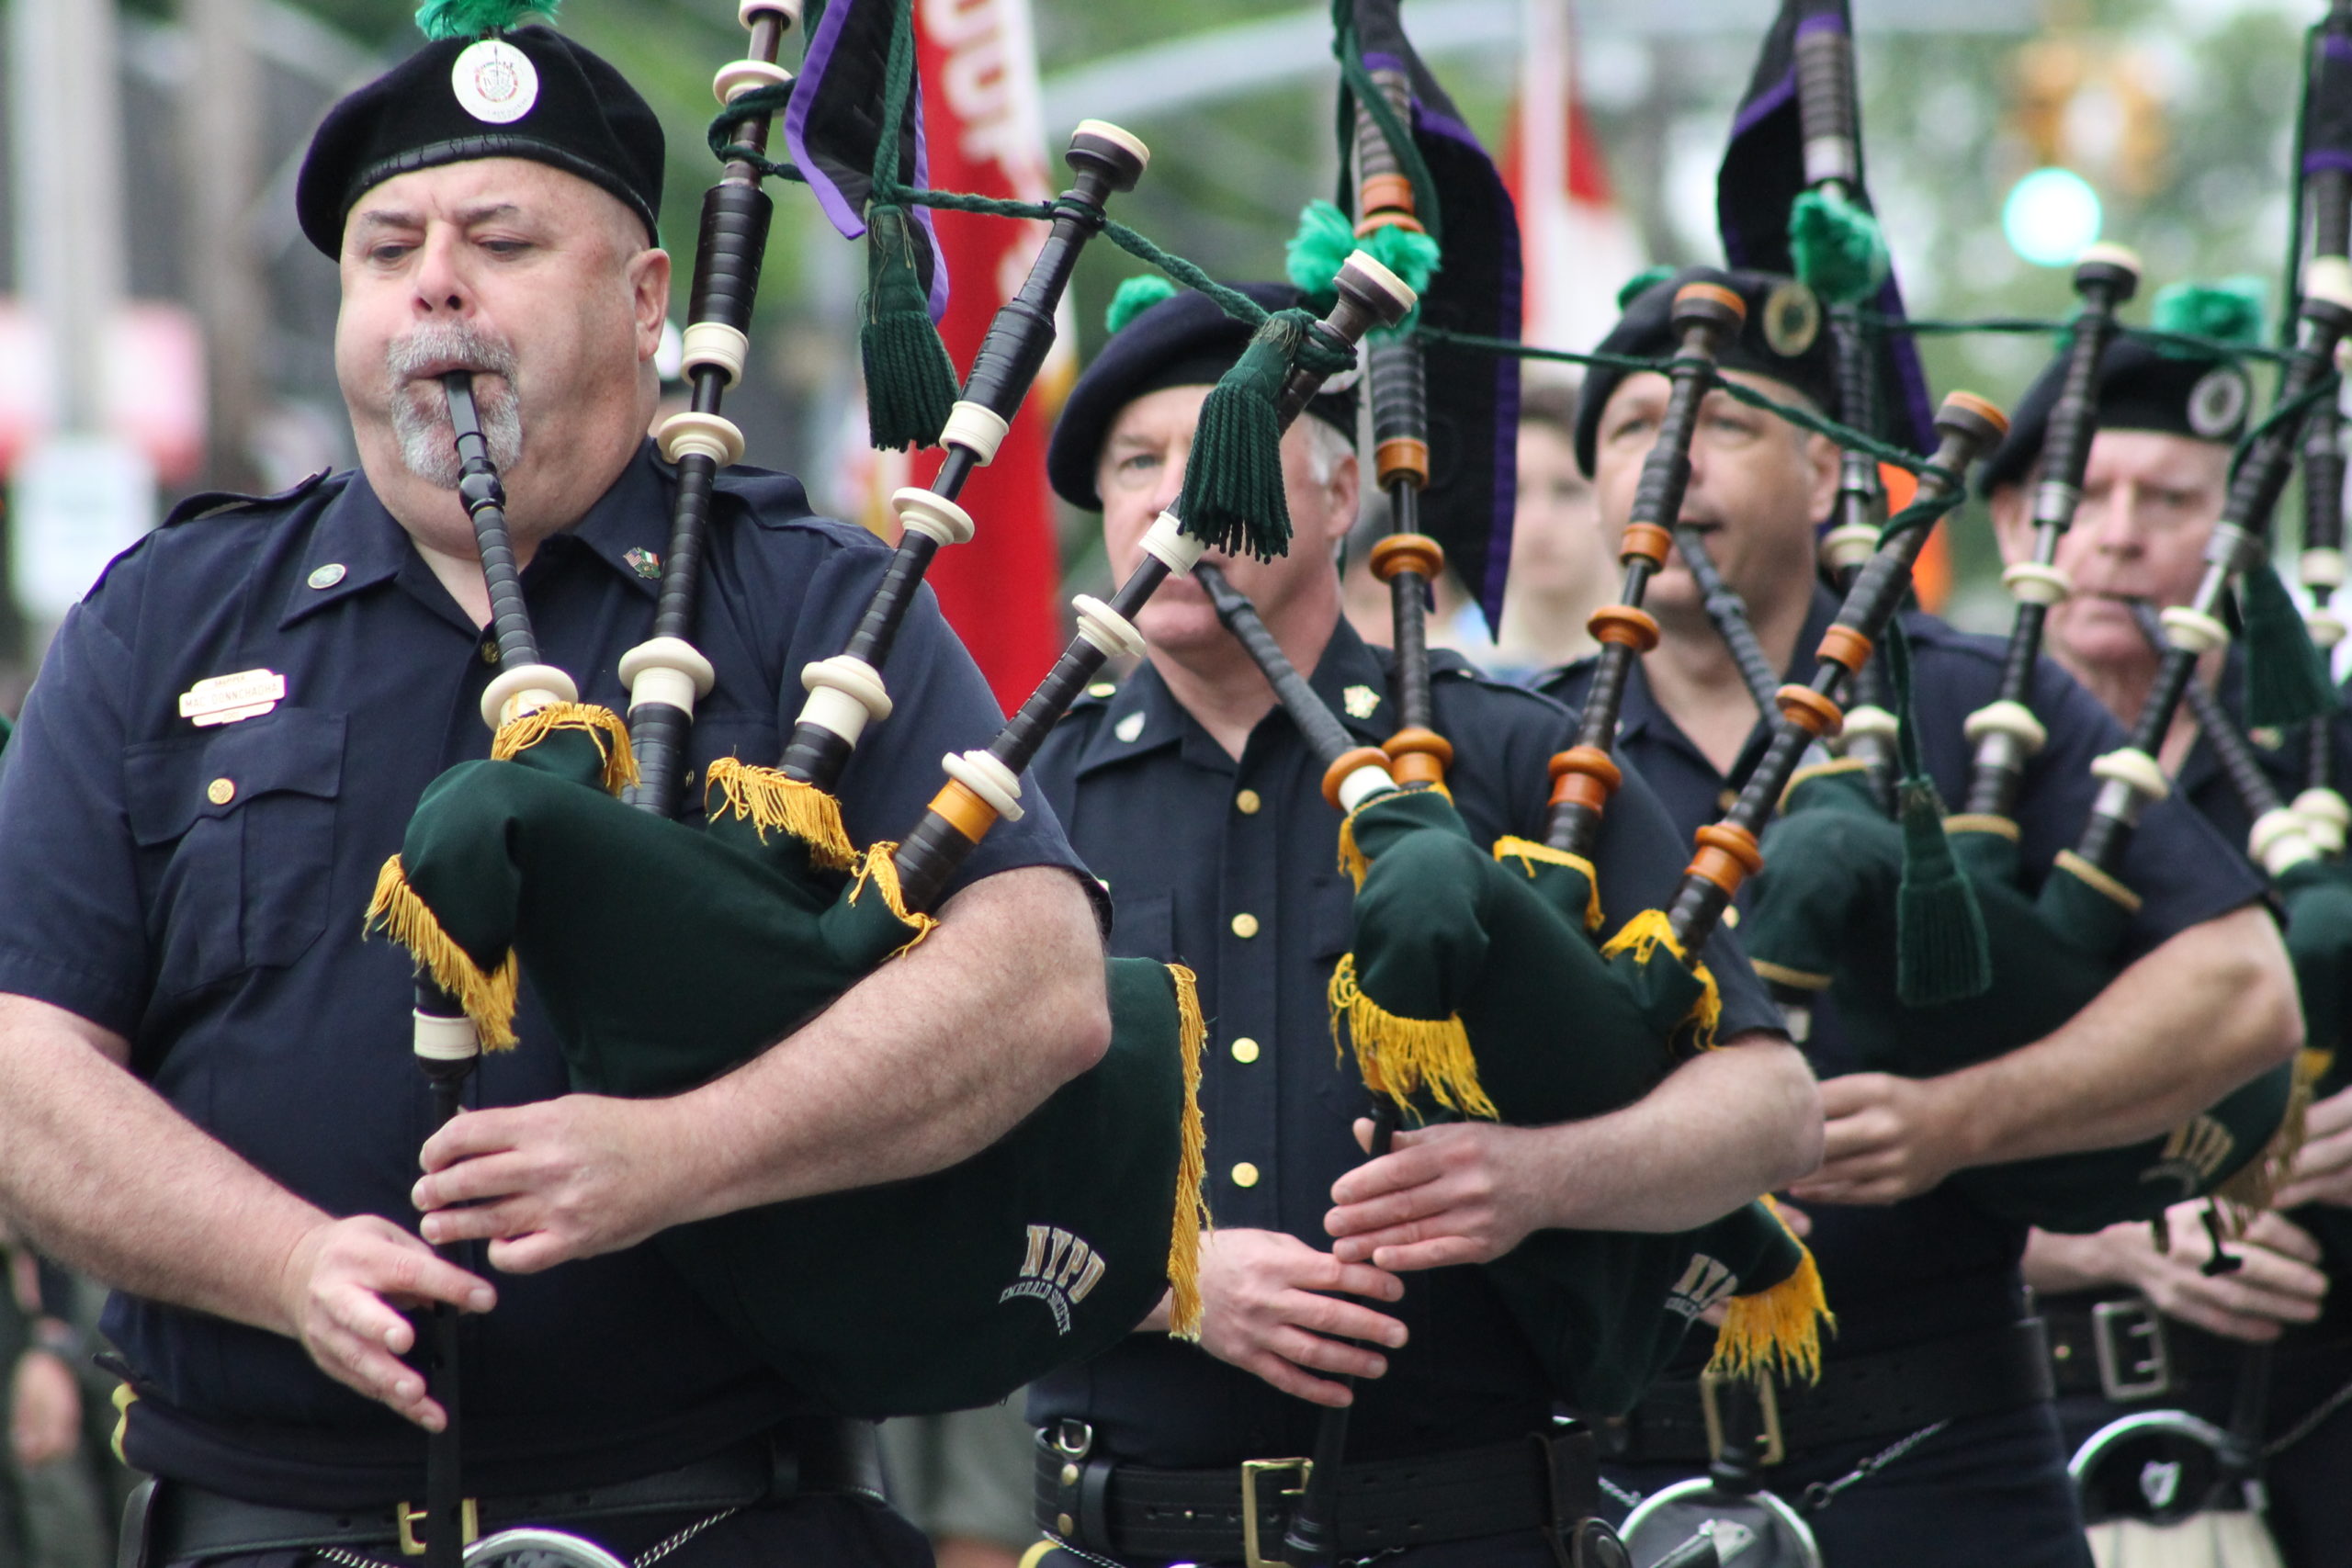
column 2318, row 896
column 1815, row 916
column 667, row 954
column 1444, row 931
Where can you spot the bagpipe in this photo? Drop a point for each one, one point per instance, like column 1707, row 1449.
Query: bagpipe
column 1931, row 996
column 954, row 1289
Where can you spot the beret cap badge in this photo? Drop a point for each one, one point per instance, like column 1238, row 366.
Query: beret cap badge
column 1792, row 318
column 494, row 82
column 2218, row 401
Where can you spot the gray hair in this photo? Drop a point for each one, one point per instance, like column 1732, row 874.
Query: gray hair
column 1327, row 446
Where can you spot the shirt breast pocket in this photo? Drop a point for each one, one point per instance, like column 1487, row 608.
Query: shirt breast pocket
column 236, row 835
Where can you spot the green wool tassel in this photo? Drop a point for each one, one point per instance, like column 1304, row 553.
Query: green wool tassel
column 1233, row 482
column 1136, row 296
column 2229, row 311
column 439, row 20
column 910, row 384
column 1940, row 950
column 1325, row 238
column 1837, row 248
column 2285, row 676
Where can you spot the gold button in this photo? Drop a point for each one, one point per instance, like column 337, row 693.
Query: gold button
column 1245, row 1174
column 220, row 792
column 1245, row 925
column 1065, row 1524
column 1103, row 689
column 1244, row 1050
column 1069, row 1475
column 1731, row 916
column 490, row 653
column 1727, row 799
column 1247, row 803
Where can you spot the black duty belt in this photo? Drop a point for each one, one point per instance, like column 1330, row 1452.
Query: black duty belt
column 2121, row 1348
column 1891, row 1391
column 1238, row 1514
column 179, row 1521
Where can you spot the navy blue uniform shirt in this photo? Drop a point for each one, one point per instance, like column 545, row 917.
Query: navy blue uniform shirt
column 1231, row 868
column 199, row 891
column 1936, row 1264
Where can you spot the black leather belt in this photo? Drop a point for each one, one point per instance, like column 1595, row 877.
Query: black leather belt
column 1884, row 1394
column 2125, row 1351
column 179, row 1521
column 1238, row 1514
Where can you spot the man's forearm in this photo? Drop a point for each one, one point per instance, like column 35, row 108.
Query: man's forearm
column 924, row 1062
column 1727, row 1126
column 2210, row 1008
column 105, row 1176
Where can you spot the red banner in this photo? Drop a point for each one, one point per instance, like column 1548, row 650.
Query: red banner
column 983, row 125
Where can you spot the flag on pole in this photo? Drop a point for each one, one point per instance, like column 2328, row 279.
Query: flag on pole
column 1578, row 245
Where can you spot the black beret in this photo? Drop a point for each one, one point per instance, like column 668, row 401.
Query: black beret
column 531, row 93
column 2140, row 388
column 1185, row 340
column 1785, row 337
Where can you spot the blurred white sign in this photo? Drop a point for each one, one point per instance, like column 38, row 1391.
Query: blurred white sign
column 75, row 503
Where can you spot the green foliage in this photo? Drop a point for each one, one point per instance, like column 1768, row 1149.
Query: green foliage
column 2229, row 310
column 438, row 19
column 1136, row 296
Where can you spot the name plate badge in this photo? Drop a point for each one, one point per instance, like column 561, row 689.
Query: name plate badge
column 225, row 699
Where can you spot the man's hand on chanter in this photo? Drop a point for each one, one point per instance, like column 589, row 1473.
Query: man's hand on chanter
column 345, row 1285
column 1266, row 1309
column 545, row 1183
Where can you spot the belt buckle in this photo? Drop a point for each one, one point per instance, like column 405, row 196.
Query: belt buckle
column 1768, row 1398
column 2124, row 1375
column 1251, row 1470
column 409, row 1519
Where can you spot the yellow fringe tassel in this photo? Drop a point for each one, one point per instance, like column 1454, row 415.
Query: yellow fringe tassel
column 882, row 872
column 1399, row 1055
column 488, row 997
column 1528, row 853
column 2252, row 1189
column 773, row 801
column 1643, row 936
column 1351, row 858
column 1777, row 1332
column 1191, row 1216
column 519, row 734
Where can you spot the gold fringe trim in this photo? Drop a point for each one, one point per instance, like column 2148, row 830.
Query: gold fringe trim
column 882, row 872
column 521, row 733
column 1981, row 822
column 774, row 802
column 1191, row 1218
column 1643, row 936
column 1817, row 770
column 2256, row 1184
column 2091, row 876
column 1351, row 858
column 1528, row 853
column 1777, row 1332
column 1399, row 1055
column 488, row 997
column 1781, row 974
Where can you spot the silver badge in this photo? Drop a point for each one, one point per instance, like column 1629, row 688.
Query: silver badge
column 495, row 82
column 1792, row 318
column 1361, row 702
column 2218, row 401
column 1128, row 727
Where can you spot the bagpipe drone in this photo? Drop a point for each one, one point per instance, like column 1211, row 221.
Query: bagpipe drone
column 1058, row 1239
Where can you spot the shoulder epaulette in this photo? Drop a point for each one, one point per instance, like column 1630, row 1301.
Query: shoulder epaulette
column 213, row 503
